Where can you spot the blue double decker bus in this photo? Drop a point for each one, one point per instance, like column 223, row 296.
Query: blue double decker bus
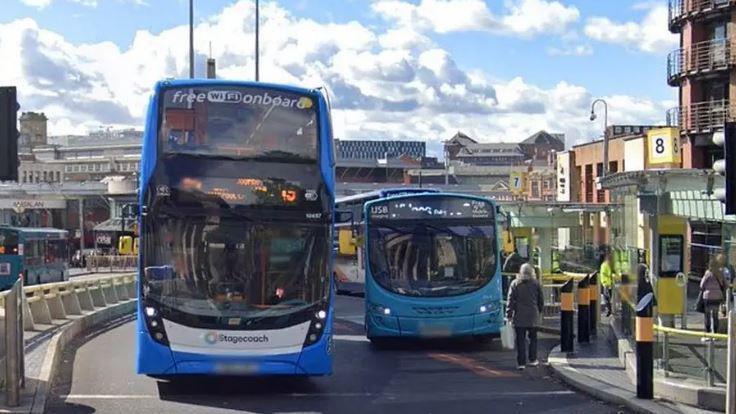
column 432, row 267
column 237, row 211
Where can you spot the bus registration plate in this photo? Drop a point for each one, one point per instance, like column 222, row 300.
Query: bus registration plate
column 434, row 330
column 236, row 368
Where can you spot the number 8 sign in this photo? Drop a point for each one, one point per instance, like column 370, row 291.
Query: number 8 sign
column 663, row 144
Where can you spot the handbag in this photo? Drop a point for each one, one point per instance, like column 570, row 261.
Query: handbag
column 508, row 336
column 699, row 303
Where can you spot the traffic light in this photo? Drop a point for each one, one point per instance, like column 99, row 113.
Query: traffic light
column 8, row 134
column 727, row 166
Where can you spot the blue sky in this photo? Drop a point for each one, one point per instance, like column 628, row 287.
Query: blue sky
column 583, row 49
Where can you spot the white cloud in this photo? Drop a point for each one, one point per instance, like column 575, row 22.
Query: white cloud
column 572, row 50
column 525, row 18
column 392, row 83
column 651, row 35
column 40, row 4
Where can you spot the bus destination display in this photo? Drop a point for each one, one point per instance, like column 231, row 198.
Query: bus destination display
column 248, row 191
column 430, row 207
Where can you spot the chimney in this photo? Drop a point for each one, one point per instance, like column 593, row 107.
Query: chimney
column 211, row 68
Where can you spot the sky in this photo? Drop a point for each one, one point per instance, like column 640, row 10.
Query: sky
column 498, row 70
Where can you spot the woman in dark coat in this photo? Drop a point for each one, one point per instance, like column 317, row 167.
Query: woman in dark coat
column 525, row 304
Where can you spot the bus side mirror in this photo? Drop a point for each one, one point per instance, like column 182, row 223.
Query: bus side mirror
column 343, row 216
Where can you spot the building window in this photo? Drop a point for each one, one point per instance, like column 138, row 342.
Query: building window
column 588, row 183
column 613, row 167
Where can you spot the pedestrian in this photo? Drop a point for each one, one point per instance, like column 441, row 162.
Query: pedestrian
column 606, row 276
column 524, row 305
column 727, row 270
column 713, row 288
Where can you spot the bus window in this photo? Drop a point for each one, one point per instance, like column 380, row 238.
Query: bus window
column 56, row 251
column 33, row 252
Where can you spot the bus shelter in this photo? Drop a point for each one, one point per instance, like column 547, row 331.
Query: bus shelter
column 551, row 233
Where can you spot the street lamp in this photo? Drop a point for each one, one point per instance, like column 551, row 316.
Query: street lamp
column 191, row 39
column 257, row 30
column 593, row 117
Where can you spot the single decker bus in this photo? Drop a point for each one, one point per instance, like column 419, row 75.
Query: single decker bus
column 432, row 267
column 349, row 265
column 236, row 224
column 36, row 255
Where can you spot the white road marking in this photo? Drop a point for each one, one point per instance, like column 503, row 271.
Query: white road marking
column 333, row 395
column 351, row 338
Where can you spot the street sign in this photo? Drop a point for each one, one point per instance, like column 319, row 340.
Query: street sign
column 664, row 146
column 517, row 182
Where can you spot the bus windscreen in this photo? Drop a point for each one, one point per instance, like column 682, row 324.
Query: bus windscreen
column 431, row 246
column 238, row 122
column 8, row 242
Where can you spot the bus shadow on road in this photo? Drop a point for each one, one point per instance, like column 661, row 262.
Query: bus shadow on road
column 186, row 386
column 454, row 345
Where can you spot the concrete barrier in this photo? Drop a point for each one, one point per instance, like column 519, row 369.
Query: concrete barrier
column 89, row 301
column 57, row 301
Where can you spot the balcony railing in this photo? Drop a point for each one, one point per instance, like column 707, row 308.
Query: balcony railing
column 705, row 56
column 679, row 8
column 701, row 116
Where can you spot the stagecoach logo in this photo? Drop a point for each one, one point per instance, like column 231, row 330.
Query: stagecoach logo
column 236, row 97
column 212, row 338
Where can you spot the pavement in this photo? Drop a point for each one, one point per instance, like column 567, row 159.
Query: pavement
column 97, row 374
column 596, row 370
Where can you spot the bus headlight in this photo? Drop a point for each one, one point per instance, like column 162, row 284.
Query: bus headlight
column 155, row 325
column 490, row 307
column 381, row 310
column 316, row 327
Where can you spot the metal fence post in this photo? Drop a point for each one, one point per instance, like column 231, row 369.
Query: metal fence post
column 710, row 378
column 12, row 363
column 21, row 328
column 666, row 354
column 731, row 361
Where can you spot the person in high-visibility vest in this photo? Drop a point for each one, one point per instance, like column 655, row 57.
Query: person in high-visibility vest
column 606, row 277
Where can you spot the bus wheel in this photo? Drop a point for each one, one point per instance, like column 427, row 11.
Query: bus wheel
column 484, row 340
column 379, row 342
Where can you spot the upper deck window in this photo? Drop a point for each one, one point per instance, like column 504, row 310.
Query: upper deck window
column 238, row 122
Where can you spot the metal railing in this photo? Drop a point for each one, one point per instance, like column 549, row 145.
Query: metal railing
column 111, row 263
column 679, row 352
column 701, row 116
column 709, row 55
column 678, row 8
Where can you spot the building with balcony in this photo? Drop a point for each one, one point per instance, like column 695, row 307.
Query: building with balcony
column 702, row 68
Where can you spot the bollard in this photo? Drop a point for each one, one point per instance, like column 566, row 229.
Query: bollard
column 567, row 313
column 645, row 348
column 594, row 305
column 583, row 311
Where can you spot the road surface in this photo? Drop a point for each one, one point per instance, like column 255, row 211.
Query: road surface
column 97, row 375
